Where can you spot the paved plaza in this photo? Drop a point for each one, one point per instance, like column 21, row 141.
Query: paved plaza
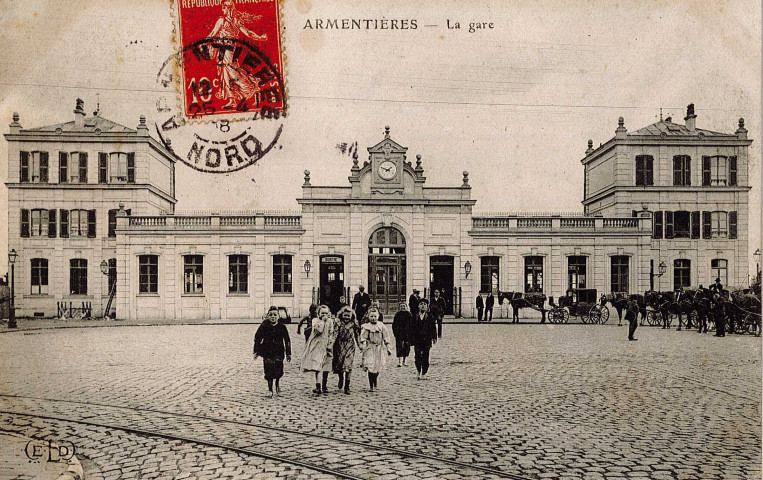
column 503, row 401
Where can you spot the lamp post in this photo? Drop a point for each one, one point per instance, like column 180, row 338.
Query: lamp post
column 661, row 268
column 12, row 255
column 757, row 264
column 307, row 267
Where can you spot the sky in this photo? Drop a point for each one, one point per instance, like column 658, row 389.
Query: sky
column 514, row 105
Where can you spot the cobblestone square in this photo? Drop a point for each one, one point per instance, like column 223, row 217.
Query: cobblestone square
column 502, row 401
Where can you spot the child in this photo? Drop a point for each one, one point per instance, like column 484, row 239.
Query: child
column 374, row 340
column 347, row 335
column 318, row 350
column 271, row 342
column 401, row 326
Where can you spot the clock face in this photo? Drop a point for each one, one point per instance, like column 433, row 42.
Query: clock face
column 387, row 170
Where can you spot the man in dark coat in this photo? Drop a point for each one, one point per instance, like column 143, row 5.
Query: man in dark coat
column 719, row 315
column 489, row 302
column 413, row 302
column 401, row 326
column 423, row 334
column 631, row 315
column 271, row 342
column 480, row 307
column 439, row 307
column 360, row 303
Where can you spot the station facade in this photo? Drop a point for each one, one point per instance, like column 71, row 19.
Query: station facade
column 91, row 193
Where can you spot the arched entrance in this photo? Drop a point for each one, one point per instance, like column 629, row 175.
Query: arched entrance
column 386, row 269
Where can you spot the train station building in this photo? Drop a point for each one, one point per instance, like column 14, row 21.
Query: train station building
column 92, row 216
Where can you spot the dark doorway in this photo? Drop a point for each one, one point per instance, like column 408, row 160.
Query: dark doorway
column 441, row 278
column 332, row 281
column 386, row 269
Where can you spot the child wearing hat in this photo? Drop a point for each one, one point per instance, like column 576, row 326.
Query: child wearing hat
column 272, row 343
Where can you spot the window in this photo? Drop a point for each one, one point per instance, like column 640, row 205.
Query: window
column 718, row 225
column 489, row 274
column 682, row 170
column 719, row 268
column 39, row 276
column 238, row 274
column 576, row 271
column 78, row 276
column 658, row 225
column 33, row 167
column 719, row 170
column 644, row 170
column 116, row 167
column 619, row 274
column 148, row 274
column 193, row 273
column 81, row 223
column 533, row 274
column 281, row 273
column 72, row 167
column 681, row 224
column 40, row 222
column 681, row 273
column 113, row 220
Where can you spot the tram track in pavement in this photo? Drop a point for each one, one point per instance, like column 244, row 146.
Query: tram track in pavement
column 313, row 451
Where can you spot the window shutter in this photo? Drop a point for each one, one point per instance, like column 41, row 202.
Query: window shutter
column 695, row 224
column 131, row 167
column 639, row 170
column 52, row 223
column 24, row 222
column 687, row 170
column 733, row 170
column 657, row 225
column 649, row 170
column 705, row 171
column 677, row 173
column 83, row 167
column 63, row 167
column 91, row 223
column 24, row 167
column 112, row 223
column 103, row 161
column 669, row 224
column 706, row 222
column 64, row 223
column 732, row 224
column 43, row 167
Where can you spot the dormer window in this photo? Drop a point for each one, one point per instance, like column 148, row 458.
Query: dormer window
column 116, row 167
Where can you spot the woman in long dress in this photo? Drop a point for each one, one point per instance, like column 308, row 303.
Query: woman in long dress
column 318, row 350
column 374, row 343
column 347, row 335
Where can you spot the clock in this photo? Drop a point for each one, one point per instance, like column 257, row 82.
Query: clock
column 387, row 170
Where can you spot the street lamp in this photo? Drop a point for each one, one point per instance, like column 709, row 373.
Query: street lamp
column 757, row 260
column 661, row 269
column 307, row 267
column 467, row 268
column 12, row 310
column 104, row 267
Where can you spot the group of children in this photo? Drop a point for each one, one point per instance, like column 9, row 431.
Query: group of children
column 330, row 344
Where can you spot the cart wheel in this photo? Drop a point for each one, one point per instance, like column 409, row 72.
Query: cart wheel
column 743, row 324
column 555, row 315
column 566, row 315
column 604, row 313
column 652, row 318
column 594, row 315
column 584, row 318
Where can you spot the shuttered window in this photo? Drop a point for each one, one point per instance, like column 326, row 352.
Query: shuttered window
column 644, row 170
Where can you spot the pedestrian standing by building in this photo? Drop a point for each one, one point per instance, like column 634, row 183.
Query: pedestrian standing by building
column 401, row 326
column 631, row 315
column 423, row 335
column 347, row 336
column 272, row 343
column 319, row 349
column 439, row 307
column 360, row 303
column 374, row 343
column 719, row 314
column 480, row 307
column 308, row 321
column 413, row 302
column 489, row 303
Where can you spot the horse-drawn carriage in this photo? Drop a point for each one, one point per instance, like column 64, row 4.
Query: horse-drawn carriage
column 579, row 302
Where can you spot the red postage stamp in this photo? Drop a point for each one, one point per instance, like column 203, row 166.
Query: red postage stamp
column 232, row 61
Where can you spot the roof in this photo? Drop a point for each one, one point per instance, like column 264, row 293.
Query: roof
column 674, row 130
column 90, row 125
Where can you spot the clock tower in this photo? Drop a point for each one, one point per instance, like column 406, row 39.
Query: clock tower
column 387, row 164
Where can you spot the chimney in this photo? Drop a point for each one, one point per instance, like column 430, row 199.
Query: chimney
column 691, row 119
column 79, row 114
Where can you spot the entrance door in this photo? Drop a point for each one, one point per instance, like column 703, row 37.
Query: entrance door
column 441, row 278
column 386, row 269
column 332, row 281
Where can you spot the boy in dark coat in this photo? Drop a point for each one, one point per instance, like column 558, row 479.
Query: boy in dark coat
column 480, row 307
column 423, row 335
column 401, row 326
column 271, row 342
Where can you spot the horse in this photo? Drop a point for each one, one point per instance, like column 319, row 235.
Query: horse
column 619, row 300
column 520, row 300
